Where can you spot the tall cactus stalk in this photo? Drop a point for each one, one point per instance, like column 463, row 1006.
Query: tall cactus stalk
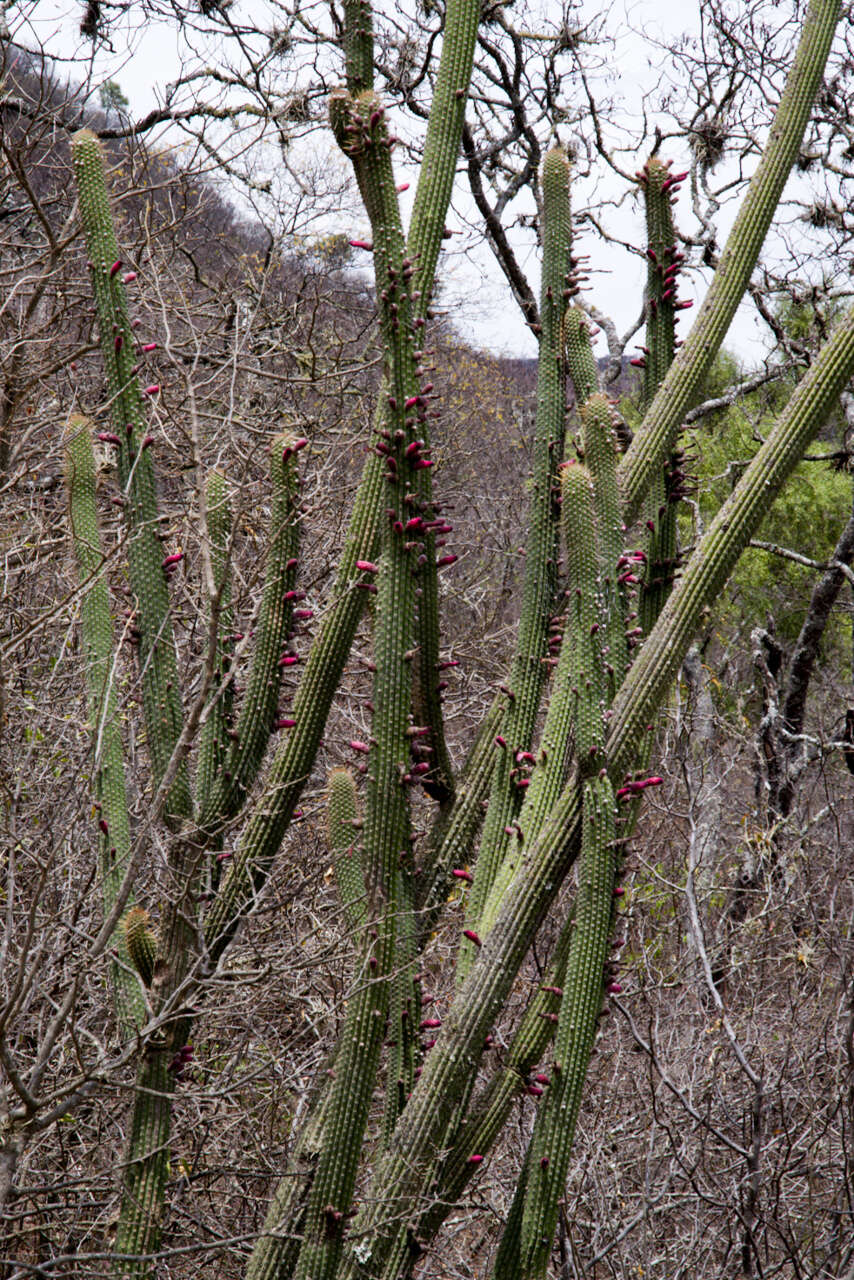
column 114, row 837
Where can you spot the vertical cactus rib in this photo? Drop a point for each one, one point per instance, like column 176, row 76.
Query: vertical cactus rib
column 258, row 712
column 109, row 770
column 554, row 1128
column 528, row 670
column 656, row 437
column 214, row 739
column 161, row 698
column 146, row 1170
column 358, row 42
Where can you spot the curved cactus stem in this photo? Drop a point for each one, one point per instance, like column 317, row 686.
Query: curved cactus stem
column 554, row 1128
column 528, row 672
column 161, row 699
column 109, row 770
column 342, row 826
column 214, row 742
column 656, row 437
column 258, row 712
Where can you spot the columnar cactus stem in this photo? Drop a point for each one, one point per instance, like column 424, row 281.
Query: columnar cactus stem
column 600, row 455
column 342, row 826
column 214, row 740
column 551, row 1142
column 654, row 441
column 358, row 41
column 580, row 361
column 97, row 628
column 528, row 670
column 271, row 655
column 575, row 717
column 161, row 698
column 663, row 267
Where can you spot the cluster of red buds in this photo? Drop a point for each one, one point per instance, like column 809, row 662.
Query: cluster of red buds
column 633, row 787
column 181, row 1061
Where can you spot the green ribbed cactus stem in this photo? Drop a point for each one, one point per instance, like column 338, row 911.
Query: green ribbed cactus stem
column 401, row 1176
column 554, row 1128
column 387, row 867
column 358, row 42
column 454, row 833
column 580, row 360
column 214, row 740
column 272, row 653
column 342, row 827
column 141, row 942
column 140, row 1223
column 657, row 435
column 490, row 1110
column 98, row 645
column 575, row 718
column 528, row 670
column 161, row 699
column 277, row 1248
column 664, row 260
column 600, row 455
column 712, row 562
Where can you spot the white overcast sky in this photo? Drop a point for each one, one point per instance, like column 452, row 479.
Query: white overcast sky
column 488, row 315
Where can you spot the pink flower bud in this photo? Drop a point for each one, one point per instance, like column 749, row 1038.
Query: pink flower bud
column 475, row 1159
column 472, row 937
column 366, row 566
column 360, row 244
column 430, row 1024
column 108, row 437
column 362, row 747
column 153, row 390
column 149, row 346
column 115, row 269
column 462, row 875
column 614, row 988
column 446, row 560
column 173, row 559
column 285, row 723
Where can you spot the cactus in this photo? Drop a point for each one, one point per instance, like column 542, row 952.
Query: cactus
column 342, row 823
column 549, row 801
